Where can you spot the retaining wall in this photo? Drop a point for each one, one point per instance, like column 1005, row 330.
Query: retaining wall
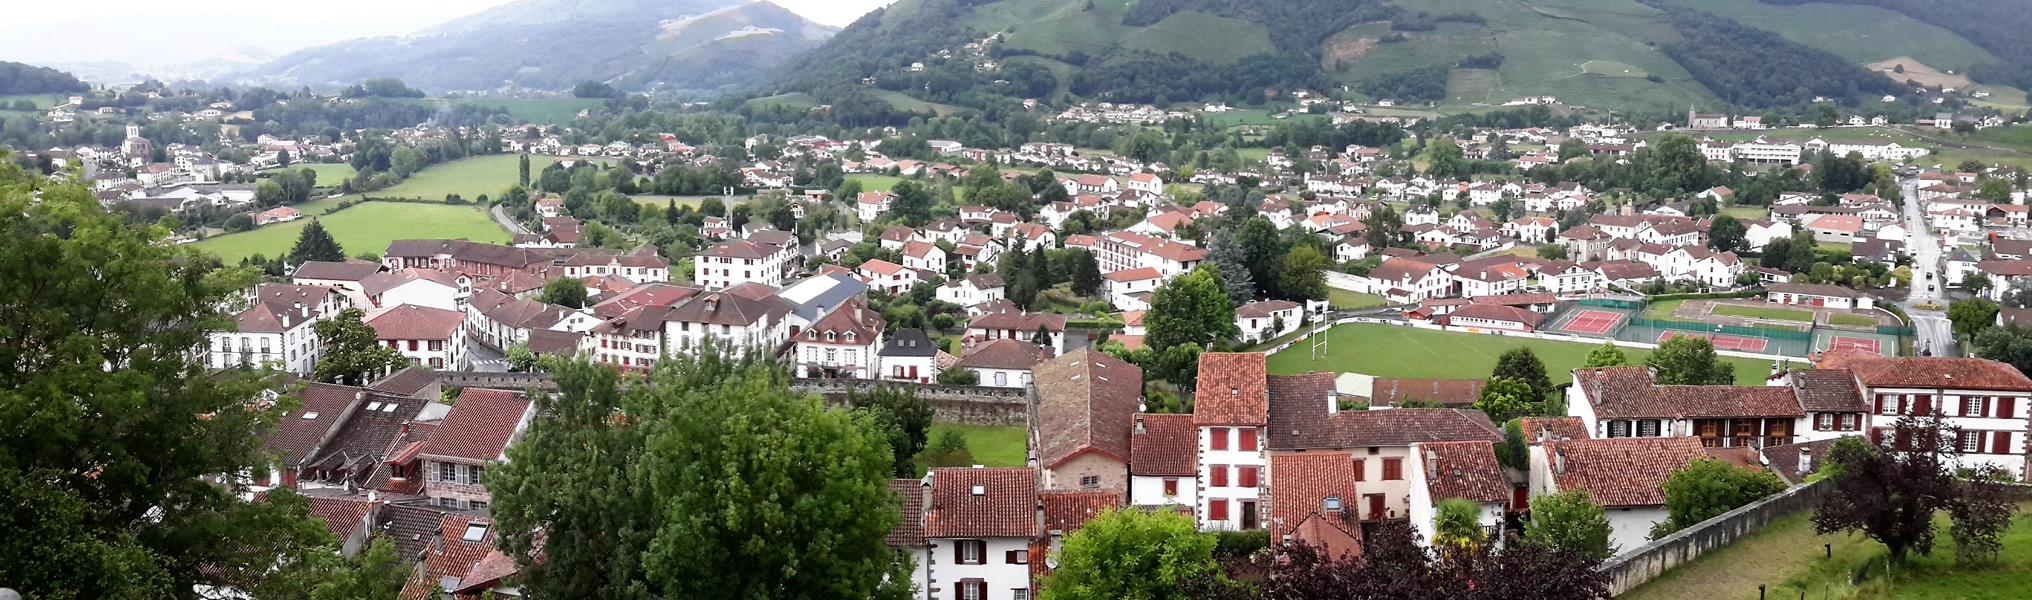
column 1647, row 562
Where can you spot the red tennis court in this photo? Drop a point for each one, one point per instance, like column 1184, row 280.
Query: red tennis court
column 1592, row 322
column 1849, row 343
column 1721, row 342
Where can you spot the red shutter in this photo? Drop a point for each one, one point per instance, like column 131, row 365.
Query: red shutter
column 1361, row 470
column 1217, row 510
column 1249, row 439
column 1220, row 438
column 1876, row 436
column 1248, row 477
column 959, row 554
column 2002, row 445
column 1393, row 469
column 1009, row 557
column 1880, row 404
column 1170, row 487
column 2007, row 407
column 1220, row 476
column 1922, row 405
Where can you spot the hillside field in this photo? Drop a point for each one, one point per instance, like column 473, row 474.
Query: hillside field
column 362, row 229
column 547, row 111
column 468, row 177
column 328, row 174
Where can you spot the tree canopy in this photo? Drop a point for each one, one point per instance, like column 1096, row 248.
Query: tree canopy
column 1569, row 521
column 1891, row 492
column 1192, row 309
column 314, row 243
column 352, row 353
column 1688, row 360
column 1131, row 553
column 1709, row 487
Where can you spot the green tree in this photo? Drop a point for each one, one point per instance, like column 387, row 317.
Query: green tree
column 1606, row 356
column 900, row 415
column 1261, row 251
column 114, row 427
column 1514, row 453
column 1301, row 274
column 313, row 243
column 1971, row 317
column 522, row 171
column 269, row 193
column 1444, row 159
column 353, row 353
column 1552, row 252
column 1192, row 309
column 1726, row 234
column 1086, row 275
column 1131, row 553
column 1570, row 521
column 406, row 161
column 239, row 222
column 949, row 450
column 520, row 358
column 1572, row 148
column 1504, row 399
column 1688, row 360
column 1891, row 493
column 566, row 292
column 378, row 572
column 1521, row 364
column 959, row 376
column 912, row 204
column 719, row 482
column 1456, row 524
column 1709, row 487
column 1975, row 282
column 2009, row 345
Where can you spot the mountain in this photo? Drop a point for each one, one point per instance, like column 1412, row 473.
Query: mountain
column 555, row 44
column 18, row 78
column 1625, row 55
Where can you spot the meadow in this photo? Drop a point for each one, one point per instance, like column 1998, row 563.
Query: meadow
column 362, row 229
column 549, row 111
column 328, row 174
column 1405, row 352
column 468, row 177
column 992, row 446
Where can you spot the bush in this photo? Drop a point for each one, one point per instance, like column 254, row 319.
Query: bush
column 239, row 222
column 1239, row 545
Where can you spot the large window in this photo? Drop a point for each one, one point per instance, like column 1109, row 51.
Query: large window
column 447, row 472
column 1619, row 429
column 971, row 552
column 1393, row 469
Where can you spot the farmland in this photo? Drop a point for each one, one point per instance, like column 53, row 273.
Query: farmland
column 1405, row 352
column 328, row 175
column 467, row 177
column 362, row 229
column 550, row 111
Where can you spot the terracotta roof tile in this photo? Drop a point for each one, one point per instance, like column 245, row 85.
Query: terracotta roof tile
column 1928, row 372
column 1824, row 390
column 1300, row 420
column 1232, row 390
column 1628, row 392
column 1168, row 447
column 1065, row 511
column 909, row 531
column 1553, row 428
column 1464, row 470
column 1086, row 401
column 449, row 555
column 406, row 382
column 1005, row 506
column 342, row 516
column 1622, row 472
column 1784, row 460
column 1301, row 485
column 298, row 433
column 1005, row 353
column 479, row 425
column 415, row 322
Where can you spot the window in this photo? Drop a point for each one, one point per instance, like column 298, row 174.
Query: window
column 971, row 552
column 1218, row 438
column 1619, row 429
column 1248, row 439
column 1019, row 594
column 1393, row 469
column 1220, row 476
column 476, row 472
column 1016, row 557
column 1823, row 421
column 1247, row 475
column 437, row 345
column 412, row 345
column 447, row 472
column 1361, row 469
column 1090, row 481
column 474, row 532
column 1170, row 487
column 1647, row 428
column 973, row 590
column 1217, row 510
column 1971, row 441
column 1849, row 422
column 1001, row 378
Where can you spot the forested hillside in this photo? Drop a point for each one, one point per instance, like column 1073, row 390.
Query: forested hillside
column 1755, row 68
column 1999, row 26
column 17, row 78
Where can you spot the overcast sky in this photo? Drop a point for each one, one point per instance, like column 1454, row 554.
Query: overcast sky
column 158, row 32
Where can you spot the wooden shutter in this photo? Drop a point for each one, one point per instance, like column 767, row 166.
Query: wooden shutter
column 1217, row 510
column 2002, row 445
column 1009, row 557
column 959, row 553
column 1393, row 469
column 1880, row 404
column 1361, row 469
column 1220, row 476
column 2007, row 407
column 1248, row 439
column 1922, row 405
column 1248, row 477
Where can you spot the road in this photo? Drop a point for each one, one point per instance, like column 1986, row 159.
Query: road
column 513, row 227
column 1935, row 333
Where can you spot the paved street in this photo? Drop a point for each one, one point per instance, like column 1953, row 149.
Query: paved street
column 501, row 217
column 1936, row 335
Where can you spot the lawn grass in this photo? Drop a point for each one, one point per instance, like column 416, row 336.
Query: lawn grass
column 328, row 174
column 1789, row 558
column 42, row 101
column 362, row 229
column 876, row 183
column 991, row 445
column 1746, row 212
column 1852, row 320
column 468, row 177
column 544, row 111
column 1659, row 311
column 1405, row 352
column 1346, row 300
column 1773, row 314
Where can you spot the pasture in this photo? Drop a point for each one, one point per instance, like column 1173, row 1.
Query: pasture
column 468, row 177
column 545, row 111
column 362, row 229
column 1406, row 352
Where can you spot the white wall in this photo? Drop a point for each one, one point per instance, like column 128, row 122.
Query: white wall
column 422, row 293
column 1002, row 577
column 1234, row 494
column 1630, row 528
column 1010, row 378
column 1145, row 490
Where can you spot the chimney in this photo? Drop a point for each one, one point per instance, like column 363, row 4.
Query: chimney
column 1431, row 465
column 1139, row 424
column 1805, row 460
column 1559, row 461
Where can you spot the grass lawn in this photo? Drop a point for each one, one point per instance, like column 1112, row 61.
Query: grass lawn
column 1852, row 320
column 1346, row 300
column 876, row 183
column 362, row 229
column 1775, row 314
column 1662, row 310
column 1746, row 212
column 992, row 446
column 548, row 111
column 1787, row 557
column 1405, row 352
column 328, row 175
column 468, row 177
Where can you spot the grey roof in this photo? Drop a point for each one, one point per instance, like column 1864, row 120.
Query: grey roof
column 811, row 298
column 909, row 342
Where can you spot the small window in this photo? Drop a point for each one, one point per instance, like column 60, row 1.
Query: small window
column 1090, row 481
column 474, row 532
column 1971, row 441
column 1647, row 428
column 1332, row 504
column 310, row 416
column 1619, row 429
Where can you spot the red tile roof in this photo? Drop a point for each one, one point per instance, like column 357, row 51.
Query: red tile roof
column 1928, row 372
column 1334, row 537
column 1494, row 312
column 414, row 322
column 1628, row 392
column 449, row 555
column 479, row 425
column 296, row 434
column 1823, row 390
column 342, row 516
column 1622, row 472
column 1464, row 470
column 1264, row 308
column 1167, row 447
column 1554, row 428
column 909, row 531
column 1301, row 484
column 1065, row 511
column 1300, row 420
column 1086, row 402
column 1232, row 390
column 1005, row 507
column 1005, row 353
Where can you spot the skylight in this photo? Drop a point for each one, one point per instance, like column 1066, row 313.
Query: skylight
column 310, row 415
column 475, row 532
column 373, row 406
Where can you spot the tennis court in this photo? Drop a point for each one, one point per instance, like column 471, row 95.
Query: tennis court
column 1591, row 322
column 1721, row 341
column 1848, row 343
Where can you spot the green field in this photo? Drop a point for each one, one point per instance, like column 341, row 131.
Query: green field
column 468, row 177
column 1054, row 27
column 366, row 228
column 545, row 111
column 1346, row 300
column 328, row 174
column 793, row 99
column 903, row 101
column 1405, row 352
column 1836, row 28
column 876, row 183
column 1754, row 312
column 1788, row 558
column 1852, row 320
column 991, row 446
column 42, row 101
column 1741, row 212
column 1662, row 310
column 1193, row 33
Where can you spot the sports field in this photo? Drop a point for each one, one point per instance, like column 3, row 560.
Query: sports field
column 362, row 229
column 1721, row 341
column 1406, row 352
column 1346, row 300
column 468, row 177
column 1590, row 322
column 328, row 175
column 1769, row 314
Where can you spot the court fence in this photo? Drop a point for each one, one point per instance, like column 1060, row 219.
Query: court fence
column 1613, row 303
column 1690, row 326
column 1896, row 330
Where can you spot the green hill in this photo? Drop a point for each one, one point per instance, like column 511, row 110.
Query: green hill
column 1623, row 55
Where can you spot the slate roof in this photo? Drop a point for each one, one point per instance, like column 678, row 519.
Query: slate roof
column 1628, row 392
column 1005, row 508
column 1086, row 401
column 1465, row 470
column 1168, row 447
column 352, row 270
column 1622, row 472
column 1301, row 483
column 1233, row 389
column 1784, row 460
column 1824, row 390
column 1065, row 511
column 1878, row 371
column 379, row 283
column 479, row 425
column 909, row 531
column 909, row 343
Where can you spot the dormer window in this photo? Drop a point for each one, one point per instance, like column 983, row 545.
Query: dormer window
column 829, row 336
column 850, row 336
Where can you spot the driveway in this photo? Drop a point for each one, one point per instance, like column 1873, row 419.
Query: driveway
column 513, row 227
column 1935, row 333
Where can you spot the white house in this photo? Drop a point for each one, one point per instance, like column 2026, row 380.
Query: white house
column 413, row 286
column 1625, row 476
column 1466, row 470
column 275, row 330
column 1231, row 408
column 1131, row 289
column 843, row 343
column 1268, row 319
column 909, row 356
column 979, row 526
column 1004, row 362
column 1985, row 402
column 972, row 290
column 434, row 337
column 1162, row 473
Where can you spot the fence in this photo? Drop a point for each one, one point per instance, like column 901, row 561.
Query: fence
column 1647, row 562
column 1613, row 303
column 1895, row 330
column 1763, row 332
column 1324, row 328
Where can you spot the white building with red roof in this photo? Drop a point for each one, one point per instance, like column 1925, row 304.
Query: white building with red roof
column 275, row 329
column 474, row 435
column 1984, row 401
column 1146, row 183
column 1130, row 289
column 434, row 337
column 924, row 257
column 889, row 277
column 1464, row 470
column 980, row 526
column 870, row 205
column 844, row 343
column 1266, row 319
column 757, row 259
column 1625, row 476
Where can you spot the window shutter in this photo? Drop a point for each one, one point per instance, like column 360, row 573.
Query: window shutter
column 1248, row 476
column 1220, row 475
column 959, row 553
column 2007, row 407
column 1880, row 404
column 1249, row 439
column 1220, row 438
column 1923, row 405
column 1360, row 469
column 1009, row 557
column 2002, row 445
column 1217, row 510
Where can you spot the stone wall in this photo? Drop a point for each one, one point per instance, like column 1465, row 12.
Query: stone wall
column 1632, row 569
column 501, row 381
column 961, row 404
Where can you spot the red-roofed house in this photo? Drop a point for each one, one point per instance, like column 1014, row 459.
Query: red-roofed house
column 887, row 276
column 1162, row 462
column 1231, row 409
column 979, row 527
column 280, row 214
column 1266, row 319
column 844, row 343
column 1086, row 405
column 1985, row 400
column 1441, row 471
column 1619, row 402
column 1130, row 289
column 428, row 336
column 1491, row 316
column 1626, row 476
column 277, row 329
column 1310, row 486
column 474, row 435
